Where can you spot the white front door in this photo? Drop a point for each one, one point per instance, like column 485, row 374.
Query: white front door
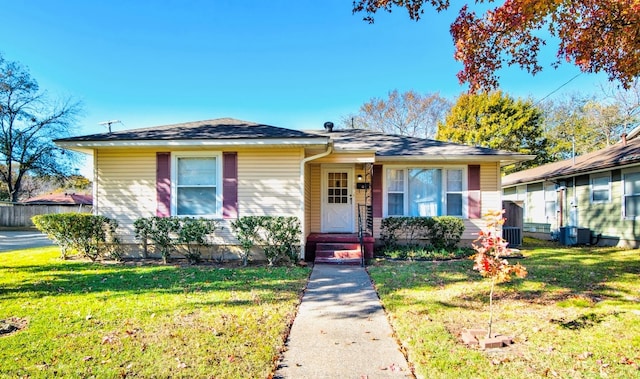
column 337, row 200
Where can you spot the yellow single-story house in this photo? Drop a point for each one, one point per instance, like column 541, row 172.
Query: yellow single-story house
column 337, row 182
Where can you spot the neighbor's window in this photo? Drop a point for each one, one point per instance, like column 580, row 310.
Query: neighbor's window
column 425, row 192
column 632, row 195
column 196, row 186
column 550, row 202
column 600, row 189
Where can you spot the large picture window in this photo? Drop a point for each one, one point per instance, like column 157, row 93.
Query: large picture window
column 425, row 192
column 632, row 195
column 196, row 185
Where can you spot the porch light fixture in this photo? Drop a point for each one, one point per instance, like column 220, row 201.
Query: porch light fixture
column 359, row 177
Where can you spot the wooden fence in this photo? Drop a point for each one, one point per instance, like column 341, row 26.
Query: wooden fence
column 15, row 215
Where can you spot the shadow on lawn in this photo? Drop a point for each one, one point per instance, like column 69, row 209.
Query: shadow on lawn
column 68, row 277
column 563, row 273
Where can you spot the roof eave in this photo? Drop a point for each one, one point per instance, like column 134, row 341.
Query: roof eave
column 569, row 174
column 504, row 160
column 88, row 146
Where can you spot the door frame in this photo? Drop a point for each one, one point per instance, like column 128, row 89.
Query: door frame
column 350, row 170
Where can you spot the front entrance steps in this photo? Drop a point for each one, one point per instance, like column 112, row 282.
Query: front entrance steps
column 337, row 248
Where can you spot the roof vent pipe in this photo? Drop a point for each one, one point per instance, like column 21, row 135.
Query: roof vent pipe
column 328, row 126
column 624, row 139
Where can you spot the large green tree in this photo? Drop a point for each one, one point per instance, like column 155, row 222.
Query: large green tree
column 577, row 125
column 595, row 35
column 29, row 121
column 409, row 113
column 497, row 121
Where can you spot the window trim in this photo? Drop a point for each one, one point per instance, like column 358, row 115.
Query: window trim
column 593, row 188
column 443, row 199
column 553, row 217
column 175, row 156
column 624, row 195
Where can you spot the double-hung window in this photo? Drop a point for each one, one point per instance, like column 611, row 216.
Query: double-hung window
column 550, row 202
column 425, row 191
column 632, row 195
column 600, row 188
column 196, row 189
column 395, row 192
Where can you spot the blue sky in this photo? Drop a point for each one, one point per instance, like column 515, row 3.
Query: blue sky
column 293, row 63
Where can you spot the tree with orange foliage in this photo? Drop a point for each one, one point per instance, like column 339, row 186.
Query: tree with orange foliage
column 595, row 35
column 489, row 259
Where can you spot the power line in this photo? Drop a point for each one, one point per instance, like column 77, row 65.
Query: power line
column 557, row 89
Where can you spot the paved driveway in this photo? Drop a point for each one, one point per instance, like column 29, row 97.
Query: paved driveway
column 14, row 240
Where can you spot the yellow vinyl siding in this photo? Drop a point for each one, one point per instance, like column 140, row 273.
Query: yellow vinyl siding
column 491, row 198
column 269, row 182
column 125, row 187
column 347, row 158
column 316, row 197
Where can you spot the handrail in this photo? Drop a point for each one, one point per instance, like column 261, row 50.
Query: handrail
column 361, row 224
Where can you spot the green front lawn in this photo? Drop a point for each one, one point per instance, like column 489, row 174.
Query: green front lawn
column 576, row 315
column 95, row 320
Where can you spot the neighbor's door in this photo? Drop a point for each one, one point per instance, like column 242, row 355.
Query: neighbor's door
column 337, row 200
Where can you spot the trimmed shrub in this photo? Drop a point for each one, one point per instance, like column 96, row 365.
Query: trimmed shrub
column 443, row 232
column 279, row 236
column 246, row 232
column 168, row 234
column 192, row 235
column 446, row 232
column 93, row 236
column 161, row 231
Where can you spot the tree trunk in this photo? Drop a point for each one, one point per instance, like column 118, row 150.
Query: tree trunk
column 493, row 282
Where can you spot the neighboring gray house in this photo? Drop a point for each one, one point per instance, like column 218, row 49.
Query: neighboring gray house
column 592, row 199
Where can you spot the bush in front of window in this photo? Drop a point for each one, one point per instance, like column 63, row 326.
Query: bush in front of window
column 92, row 236
column 279, row 236
column 192, row 236
column 161, row 231
column 410, row 230
column 246, row 232
column 446, row 232
column 442, row 232
column 169, row 234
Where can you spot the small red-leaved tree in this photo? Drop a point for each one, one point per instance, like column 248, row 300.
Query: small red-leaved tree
column 491, row 250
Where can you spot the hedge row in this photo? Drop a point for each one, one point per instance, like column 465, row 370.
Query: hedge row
column 169, row 234
column 279, row 236
column 90, row 235
column 442, row 232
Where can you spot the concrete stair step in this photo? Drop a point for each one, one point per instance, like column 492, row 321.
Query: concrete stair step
column 339, row 261
column 338, row 246
column 338, row 253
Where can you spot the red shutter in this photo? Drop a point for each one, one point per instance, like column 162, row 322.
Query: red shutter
column 376, row 191
column 475, row 202
column 230, row 185
column 163, row 184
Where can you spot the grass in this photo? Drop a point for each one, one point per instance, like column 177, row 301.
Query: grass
column 95, row 320
column 576, row 315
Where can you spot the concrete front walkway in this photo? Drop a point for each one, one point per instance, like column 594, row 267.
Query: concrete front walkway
column 341, row 330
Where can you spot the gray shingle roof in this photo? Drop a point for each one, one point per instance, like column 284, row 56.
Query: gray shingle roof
column 221, row 128
column 384, row 145
column 617, row 155
column 391, row 145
